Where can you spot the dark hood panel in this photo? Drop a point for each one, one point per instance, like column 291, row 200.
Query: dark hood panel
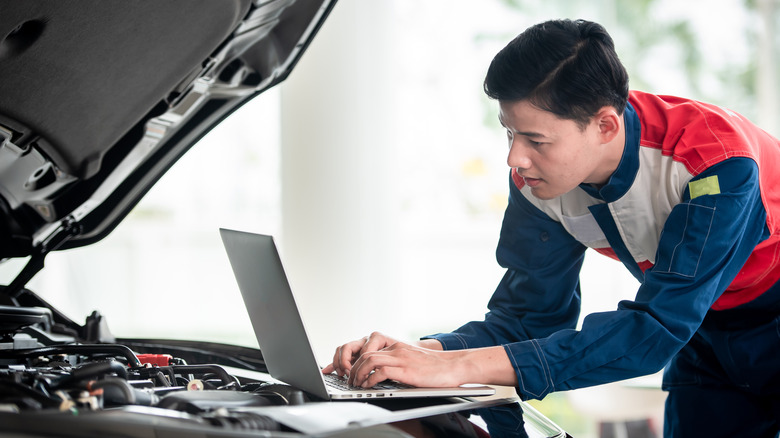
column 77, row 76
column 99, row 98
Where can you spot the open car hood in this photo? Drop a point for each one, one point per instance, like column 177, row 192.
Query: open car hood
column 98, row 99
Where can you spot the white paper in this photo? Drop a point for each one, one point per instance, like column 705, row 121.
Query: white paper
column 323, row 417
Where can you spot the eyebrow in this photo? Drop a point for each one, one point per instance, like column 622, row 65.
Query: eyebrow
column 531, row 134
column 525, row 133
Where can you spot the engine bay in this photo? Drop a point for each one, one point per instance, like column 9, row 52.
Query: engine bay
column 43, row 372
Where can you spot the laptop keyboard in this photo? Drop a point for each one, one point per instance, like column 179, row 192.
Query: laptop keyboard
column 340, row 382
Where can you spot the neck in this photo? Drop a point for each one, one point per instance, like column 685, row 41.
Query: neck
column 613, row 153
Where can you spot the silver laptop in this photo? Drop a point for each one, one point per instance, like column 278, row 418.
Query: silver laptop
column 280, row 332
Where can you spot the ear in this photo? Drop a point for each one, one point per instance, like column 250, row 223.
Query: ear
column 608, row 122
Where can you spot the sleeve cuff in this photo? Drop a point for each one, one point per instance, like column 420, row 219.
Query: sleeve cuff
column 534, row 380
column 533, row 373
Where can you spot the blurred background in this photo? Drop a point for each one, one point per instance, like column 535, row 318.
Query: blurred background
column 380, row 167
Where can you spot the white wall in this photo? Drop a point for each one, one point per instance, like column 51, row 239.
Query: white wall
column 338, row 233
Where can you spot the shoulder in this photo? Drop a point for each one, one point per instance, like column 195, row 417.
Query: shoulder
column 695, row 133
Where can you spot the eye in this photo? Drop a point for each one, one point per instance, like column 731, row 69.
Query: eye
column 509, row 137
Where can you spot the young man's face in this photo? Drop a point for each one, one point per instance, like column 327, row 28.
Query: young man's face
column 553, row 155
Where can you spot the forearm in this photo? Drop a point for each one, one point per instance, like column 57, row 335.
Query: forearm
column 431, row 344
column 488, row 365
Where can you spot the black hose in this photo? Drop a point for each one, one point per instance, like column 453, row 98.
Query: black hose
column 99, row 369
column 124, row 388
column 160, row 376
column 11, row 390
column 220, row 372
column 86, row 349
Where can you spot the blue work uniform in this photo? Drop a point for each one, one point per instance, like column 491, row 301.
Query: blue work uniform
column 693, row 212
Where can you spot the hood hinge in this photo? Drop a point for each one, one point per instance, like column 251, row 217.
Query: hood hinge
column 67, row 229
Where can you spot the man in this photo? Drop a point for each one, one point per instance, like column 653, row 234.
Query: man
column 685, row 194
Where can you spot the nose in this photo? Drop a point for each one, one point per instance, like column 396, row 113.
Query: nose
column 518, row 156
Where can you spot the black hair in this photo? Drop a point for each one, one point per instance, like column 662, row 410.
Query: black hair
column 569, row 68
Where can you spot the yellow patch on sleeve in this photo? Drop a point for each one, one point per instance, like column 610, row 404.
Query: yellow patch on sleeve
column 706, row 186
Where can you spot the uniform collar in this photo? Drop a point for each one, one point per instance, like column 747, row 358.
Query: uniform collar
column 623, row 177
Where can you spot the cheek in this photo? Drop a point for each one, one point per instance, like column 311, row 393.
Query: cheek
column 572, row 166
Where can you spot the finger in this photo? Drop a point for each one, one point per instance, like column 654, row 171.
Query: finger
column 346, row 356
column 377, row 376
column 375, row 341
column 338, row 362
column 343, row 361
column 333, row 366
column 370, row 368
column 355, row 376
column 400, row 373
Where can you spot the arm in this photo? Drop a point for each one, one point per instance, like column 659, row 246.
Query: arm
column 693, row 267
column 521, row 308
column 539, row 294
column 425, row 367
column 378, row 357
column 704, row 244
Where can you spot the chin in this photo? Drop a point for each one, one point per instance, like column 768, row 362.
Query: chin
column 544, row 196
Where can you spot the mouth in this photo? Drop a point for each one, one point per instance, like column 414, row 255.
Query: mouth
column 532, row 182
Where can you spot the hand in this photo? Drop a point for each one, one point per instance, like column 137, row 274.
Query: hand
column 378, row 357
column 348, row 353
column 410, row 364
